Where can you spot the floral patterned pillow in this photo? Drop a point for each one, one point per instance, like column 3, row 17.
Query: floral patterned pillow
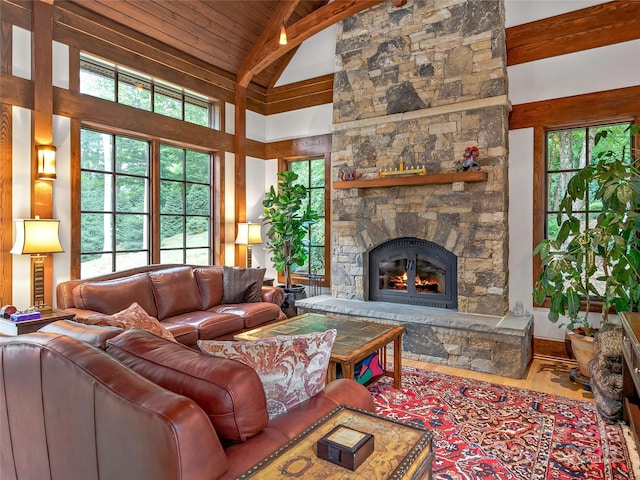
column 133, row 317
column 292, row 368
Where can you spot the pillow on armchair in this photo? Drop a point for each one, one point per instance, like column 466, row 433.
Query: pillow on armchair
column 242, row 285
column 292, row 368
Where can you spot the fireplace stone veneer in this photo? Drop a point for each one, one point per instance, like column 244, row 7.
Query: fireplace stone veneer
column 418, row 85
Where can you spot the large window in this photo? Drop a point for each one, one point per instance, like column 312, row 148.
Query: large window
column 114, row 202
column 117, row 204
column 185, row 206
column 128, row 87
column 312, row 174
column 569, row 150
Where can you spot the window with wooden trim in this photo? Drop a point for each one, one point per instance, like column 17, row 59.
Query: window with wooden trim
column 114, row 199
column 313, row 174
column 117, row 182
column 118, row 84
column 185, row 206
column 569, row 150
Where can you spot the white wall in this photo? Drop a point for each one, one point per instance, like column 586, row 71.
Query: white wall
column 556, row 77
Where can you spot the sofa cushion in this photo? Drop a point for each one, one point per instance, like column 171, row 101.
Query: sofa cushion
column 229, row 392
column 242, row 285
column 292, row 368
column 111, row 296
column 175, row 291
column 132, row 317
column 253, row 314
column 209, row 325
column 210, row 285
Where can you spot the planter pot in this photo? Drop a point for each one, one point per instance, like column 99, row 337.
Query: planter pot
column 583, row 349
column 296, row 292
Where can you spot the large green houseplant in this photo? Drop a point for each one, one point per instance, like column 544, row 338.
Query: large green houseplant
column 597, row 262
column 288, row 215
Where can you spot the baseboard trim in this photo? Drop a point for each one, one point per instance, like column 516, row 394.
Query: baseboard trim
column 550, row 348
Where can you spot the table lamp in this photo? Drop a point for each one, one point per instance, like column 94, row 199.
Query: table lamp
column 249, row 234
column 37, row 237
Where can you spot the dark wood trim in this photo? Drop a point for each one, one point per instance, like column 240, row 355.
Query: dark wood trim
column 154, row 174
column 566, row 111
column 17, row 91
column 93, row 110
column 240, row 144
column 42, row 122
column 539, row 195
column 299, row 147
column 16, row 13
column 74, row 214
column 6, row 47
column 294, row 96
column 550, row 348
column 6, row 195
column 6, row 169
column 596, row 26
column 218, row 210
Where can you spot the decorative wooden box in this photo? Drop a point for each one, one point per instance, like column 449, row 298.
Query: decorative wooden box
column 345, row 446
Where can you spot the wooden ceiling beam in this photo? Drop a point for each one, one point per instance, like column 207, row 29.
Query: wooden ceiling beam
column 268, row 50
column 270, row 32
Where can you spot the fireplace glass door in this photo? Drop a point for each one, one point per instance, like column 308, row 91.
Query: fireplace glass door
column 413, row 271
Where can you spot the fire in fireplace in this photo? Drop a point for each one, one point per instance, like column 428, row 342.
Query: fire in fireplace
column 412, row 271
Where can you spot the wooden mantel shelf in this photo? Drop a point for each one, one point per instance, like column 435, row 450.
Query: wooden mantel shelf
column 428, row 179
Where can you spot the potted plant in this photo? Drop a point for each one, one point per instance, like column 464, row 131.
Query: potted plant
column 288, row 216
column 597, row 263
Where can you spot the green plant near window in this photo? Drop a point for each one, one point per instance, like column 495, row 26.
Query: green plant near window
column 600, row 261
column 288, row 219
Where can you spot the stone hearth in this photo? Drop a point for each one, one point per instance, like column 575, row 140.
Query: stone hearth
column 483, row 343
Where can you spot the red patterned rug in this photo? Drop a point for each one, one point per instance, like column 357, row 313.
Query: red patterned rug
column 488, row 431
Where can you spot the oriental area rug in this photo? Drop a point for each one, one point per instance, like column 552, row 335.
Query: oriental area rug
column 488, row 431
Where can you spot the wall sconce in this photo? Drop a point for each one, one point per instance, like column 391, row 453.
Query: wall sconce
column 37, row 238
column 46, row 162
column 249, row 234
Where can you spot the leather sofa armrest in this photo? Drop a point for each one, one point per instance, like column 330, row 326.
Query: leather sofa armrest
column 345, row 391
column 273, row 295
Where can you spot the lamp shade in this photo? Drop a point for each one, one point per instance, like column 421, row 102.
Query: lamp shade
column 249, row 234
column 36, row 236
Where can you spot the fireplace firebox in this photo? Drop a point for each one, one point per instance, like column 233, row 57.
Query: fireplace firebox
column 412, row 271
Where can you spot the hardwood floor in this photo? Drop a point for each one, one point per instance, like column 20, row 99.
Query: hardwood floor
column 545, row 374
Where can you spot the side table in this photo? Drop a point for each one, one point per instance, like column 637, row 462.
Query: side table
column 9, row 327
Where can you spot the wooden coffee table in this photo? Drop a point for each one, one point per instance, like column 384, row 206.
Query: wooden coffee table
column 356, row 340
column 401, row 451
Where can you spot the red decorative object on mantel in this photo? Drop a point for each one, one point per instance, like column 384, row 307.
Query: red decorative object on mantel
column 349, row 175
column 469, row 160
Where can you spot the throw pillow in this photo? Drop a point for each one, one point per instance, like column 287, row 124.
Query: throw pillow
column 242, row 285
column 133, row 317
column 292, row 368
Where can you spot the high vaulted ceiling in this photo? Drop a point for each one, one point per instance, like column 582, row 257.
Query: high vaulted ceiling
column 237, row 36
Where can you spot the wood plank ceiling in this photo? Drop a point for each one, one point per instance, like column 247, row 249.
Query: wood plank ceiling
column 220, row 32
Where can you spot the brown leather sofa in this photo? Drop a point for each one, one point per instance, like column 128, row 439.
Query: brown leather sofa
column 145, row 408
column 187, row 300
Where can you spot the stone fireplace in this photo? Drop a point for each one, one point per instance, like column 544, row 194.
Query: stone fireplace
column 414, row 87
column 418, row 85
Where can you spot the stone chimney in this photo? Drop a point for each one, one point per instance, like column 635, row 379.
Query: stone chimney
column 420, row 84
